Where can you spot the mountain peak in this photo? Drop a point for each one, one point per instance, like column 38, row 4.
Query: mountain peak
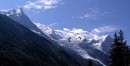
column 19, row 10
column 108, row 37
column 9, row 12
column 19, row 46
column 19, row 16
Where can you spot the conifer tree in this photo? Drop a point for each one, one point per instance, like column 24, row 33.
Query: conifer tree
column 90, row 63
column 119, row 53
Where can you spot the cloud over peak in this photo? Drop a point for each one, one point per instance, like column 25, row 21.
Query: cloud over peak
column 42, row 4
column 105, row 29
column 91, row 14
column 95, row 13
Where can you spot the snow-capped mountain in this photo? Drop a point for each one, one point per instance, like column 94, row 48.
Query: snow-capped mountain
column 86, row 44
column 77, row 36
column 19, row 16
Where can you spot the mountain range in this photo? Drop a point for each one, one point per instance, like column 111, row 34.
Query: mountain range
column 84, row 43
column 76, row 44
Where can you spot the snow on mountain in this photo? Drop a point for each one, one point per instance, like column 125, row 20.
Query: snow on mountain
column 45, row 29
column 9, row 12
column 84, row 43
column 19, row 16
column 73, row 38
column 71, row 35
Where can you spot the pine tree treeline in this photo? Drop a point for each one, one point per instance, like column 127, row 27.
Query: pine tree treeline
column 119, row 53
column 90, row 63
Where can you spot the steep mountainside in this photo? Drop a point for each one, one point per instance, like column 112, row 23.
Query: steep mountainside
column 19, row 16
column 86, row 44
column 21, row 47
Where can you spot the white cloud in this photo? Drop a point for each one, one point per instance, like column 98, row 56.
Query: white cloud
column 42, row 4
column 94, row 13
column 105, row 29
column 53, row 24
column 91, row 14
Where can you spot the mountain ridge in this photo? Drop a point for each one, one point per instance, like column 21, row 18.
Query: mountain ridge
column 84, row 43
column 19, row 47
column 19, row 16
column 81, row 42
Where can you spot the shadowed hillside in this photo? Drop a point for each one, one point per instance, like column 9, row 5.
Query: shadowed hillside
column 21, row 47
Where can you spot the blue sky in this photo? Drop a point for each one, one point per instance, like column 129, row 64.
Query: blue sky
column 101, row 16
